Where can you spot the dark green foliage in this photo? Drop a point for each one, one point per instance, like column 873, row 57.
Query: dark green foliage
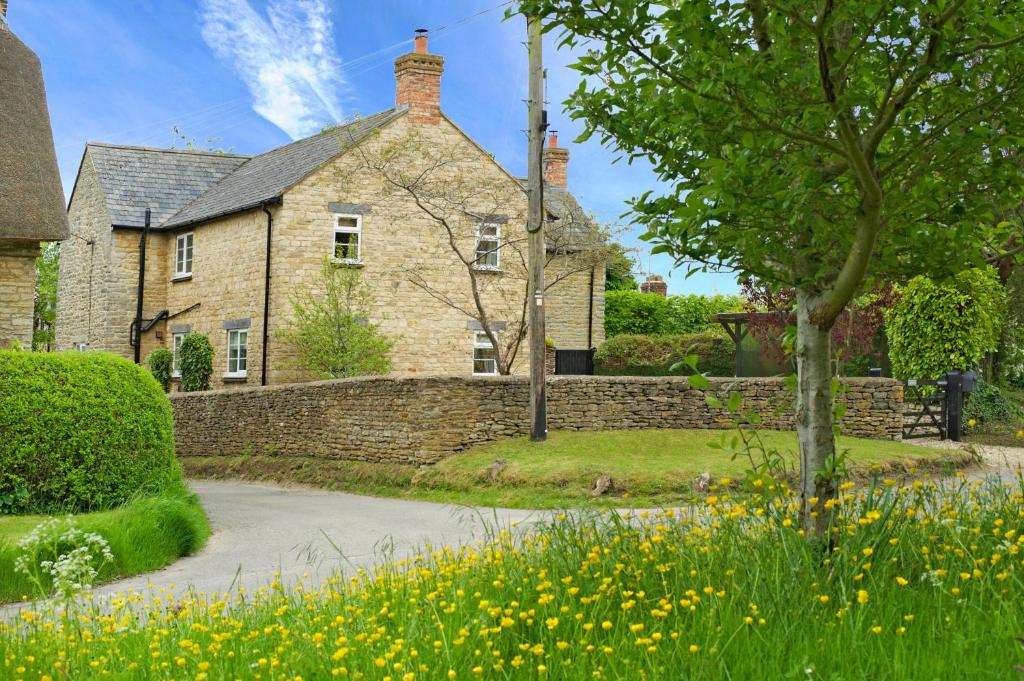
column 196, row 359
column 1010, row 358
column 655, row 355
column 82, row 431
column 644, row 313
column 45, row 308
column 160, row 363
column 618, row 269
column 992, row 407
column 937, row 327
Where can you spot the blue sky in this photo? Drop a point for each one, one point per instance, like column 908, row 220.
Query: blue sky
column 254, row 74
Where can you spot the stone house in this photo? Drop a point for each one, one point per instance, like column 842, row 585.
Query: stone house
column 31, row 200
column 232, row 238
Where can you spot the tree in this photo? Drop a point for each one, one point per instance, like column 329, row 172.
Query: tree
column 480, row 220
column 818, row 146
column 45, row 308
column 330, row 331
column 618, row 273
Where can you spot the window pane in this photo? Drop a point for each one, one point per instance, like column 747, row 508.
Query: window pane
column 487, row 253
column 346, row 245
column 350, row 223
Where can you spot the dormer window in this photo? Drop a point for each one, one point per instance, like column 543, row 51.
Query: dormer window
column 347, row 239
column 183, row 256
column 488, row 246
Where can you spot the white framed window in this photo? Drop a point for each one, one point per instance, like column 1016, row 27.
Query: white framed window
column 488, row 246
column 485, row 361
column 183, row 255
column 348, row 236
column 238, row 353
column 176, row 339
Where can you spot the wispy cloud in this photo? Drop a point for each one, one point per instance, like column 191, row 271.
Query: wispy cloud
column 286, row 59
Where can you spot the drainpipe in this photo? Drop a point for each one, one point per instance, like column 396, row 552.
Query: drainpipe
column 141, row 291
column 590, row 313
column 266, row 296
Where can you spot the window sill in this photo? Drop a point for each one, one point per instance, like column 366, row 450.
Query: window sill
column 175, row 377
column 487, row 268
column 182, row 277
column 235, row 378
column 347, row 263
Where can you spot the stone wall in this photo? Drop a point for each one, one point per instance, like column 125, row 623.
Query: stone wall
column 17, row 291
column 423, row 420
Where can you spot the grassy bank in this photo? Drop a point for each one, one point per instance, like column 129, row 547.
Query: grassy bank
column 732, row 592
column 145, row 534
column 652, row 467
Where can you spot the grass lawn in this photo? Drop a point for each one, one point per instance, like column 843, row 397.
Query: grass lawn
column 144, row 535
column 648, row 467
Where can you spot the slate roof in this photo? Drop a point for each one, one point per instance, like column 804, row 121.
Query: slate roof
column 164, row 180
column 270, row 175
column 569, row 214
column 31, row 197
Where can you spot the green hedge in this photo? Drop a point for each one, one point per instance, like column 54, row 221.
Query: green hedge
column 633, row 312
column 82, row 431
column 654, row 355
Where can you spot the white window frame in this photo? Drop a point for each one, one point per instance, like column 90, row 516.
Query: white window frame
column 357, row 230
column 482, row 342
column 185, row 243
column 477, row 264
column 238, row 360
column 176, row 339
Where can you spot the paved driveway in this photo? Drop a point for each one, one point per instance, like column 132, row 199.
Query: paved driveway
column 258, row 530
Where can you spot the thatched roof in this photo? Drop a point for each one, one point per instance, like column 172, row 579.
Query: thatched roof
column 31, row 197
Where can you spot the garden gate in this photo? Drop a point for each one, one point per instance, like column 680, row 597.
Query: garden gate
column 579, row 362
column 936, row 408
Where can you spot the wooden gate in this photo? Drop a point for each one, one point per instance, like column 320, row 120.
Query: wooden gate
column 578, row 362
column 925, row 410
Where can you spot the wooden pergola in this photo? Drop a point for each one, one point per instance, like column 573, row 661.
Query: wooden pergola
column 734, row 324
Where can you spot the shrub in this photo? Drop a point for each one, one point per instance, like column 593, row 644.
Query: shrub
column 1010, row 360
column 196, row 360
column 991, row 406
column 644, row 313
column 654, row 355
column 937, row 327
column 82, row 431
column 160, row 363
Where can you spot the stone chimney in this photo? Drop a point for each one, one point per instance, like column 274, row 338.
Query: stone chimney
column 3, row 14
column 656, row 285
column 556, row 162
column 418, row 82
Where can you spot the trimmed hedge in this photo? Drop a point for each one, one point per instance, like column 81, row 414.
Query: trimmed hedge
column 633, row 312
column 654, row 355
column 82, row 431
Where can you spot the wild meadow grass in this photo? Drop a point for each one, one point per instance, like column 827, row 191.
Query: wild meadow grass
column 921, row 581
column 144, row 534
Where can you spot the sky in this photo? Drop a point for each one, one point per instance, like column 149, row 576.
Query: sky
column 250, row 75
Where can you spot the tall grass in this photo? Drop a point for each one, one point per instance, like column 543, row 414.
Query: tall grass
column 144, row 534
column 923, row 581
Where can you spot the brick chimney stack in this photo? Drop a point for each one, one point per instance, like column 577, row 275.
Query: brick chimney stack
column 418, row 82
column 556, row 162
column 656, row 285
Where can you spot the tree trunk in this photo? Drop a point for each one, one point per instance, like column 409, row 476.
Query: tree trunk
column 814, row 418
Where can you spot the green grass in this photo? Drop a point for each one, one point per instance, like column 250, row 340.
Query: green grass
column 145, row 534
column 933, row 594
column 648, row 467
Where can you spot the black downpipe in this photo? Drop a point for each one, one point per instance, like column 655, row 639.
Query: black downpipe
column 141, row 291
column 266, row 297
column 590, row 313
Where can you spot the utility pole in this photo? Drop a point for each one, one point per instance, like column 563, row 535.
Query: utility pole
column 535, row 228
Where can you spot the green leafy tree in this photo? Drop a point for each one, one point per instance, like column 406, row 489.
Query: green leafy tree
column 329, row 331
column 619, row 267
column 936, row 327
column 159, row 362
column 634, row 312
column 45, row 308
column 195, row 357
column 818, row 146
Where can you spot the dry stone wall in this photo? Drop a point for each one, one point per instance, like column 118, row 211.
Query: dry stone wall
column 422, row 420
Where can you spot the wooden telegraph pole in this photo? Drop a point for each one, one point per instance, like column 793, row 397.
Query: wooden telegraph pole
column 535, row 227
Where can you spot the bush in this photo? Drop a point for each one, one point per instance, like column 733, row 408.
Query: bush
column 633, row 312
column 160, row 363
column 654, row 355
column 196, row 360
column 82, row 431
column 991, row 406
column 937, row 327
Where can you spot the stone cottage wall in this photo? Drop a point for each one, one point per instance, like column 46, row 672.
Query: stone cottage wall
column 423, row 420
column 17, row 290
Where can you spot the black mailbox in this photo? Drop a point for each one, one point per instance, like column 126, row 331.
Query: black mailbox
column 970, row 381
column 875, row 372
